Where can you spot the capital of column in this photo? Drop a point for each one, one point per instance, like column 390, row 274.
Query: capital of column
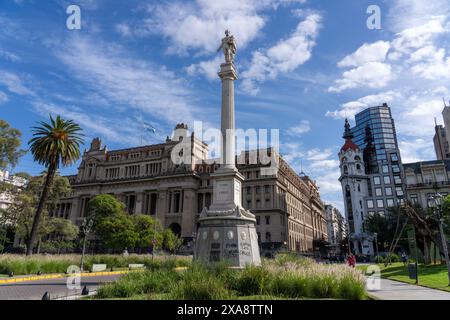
column 228, row 71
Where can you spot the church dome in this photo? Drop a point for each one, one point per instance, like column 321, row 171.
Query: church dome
column 349, row 144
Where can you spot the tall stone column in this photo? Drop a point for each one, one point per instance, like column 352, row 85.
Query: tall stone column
column 228, row 75
column 227, row 231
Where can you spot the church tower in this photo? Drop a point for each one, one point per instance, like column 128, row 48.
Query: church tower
column 355, row 187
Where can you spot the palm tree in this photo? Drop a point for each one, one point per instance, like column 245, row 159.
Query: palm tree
column 52, row 143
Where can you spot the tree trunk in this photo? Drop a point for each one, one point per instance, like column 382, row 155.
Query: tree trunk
column 42, row 201
column 426, row 251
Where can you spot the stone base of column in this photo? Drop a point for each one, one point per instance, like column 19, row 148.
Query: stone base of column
column 229, row 236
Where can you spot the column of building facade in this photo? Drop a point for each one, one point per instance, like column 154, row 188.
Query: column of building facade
column 161, row 206
column 188, row 216
column 139, row 205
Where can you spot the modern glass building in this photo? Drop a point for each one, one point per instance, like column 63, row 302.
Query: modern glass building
column 382, row 125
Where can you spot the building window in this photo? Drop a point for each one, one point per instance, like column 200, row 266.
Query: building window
column 390, row 202
column 376, row 181
column 399, row 191
column 370, row 204
column 385, row 168
column 115, row 158
column 378, row 192
column 387, row 179
column 388, row 191
column 267, row 219
column 345, row 170
column 380, row 203
column 394, row 157
column 397, row 180
column 396, row 168
column 268, row 237
column 258, row 220
column 358, row 167
column 414, row 199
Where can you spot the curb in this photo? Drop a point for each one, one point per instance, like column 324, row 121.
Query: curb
column 61, row 275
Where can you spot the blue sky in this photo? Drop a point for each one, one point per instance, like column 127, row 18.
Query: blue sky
column 303, row 66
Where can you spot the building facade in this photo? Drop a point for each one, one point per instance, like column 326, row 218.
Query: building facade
column 425, row 179
column 290, row 214
column 372, row 175
column 336, row 229
column 6, row 197
column 440, row 141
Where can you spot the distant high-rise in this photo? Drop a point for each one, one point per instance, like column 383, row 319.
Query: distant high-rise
column 371, row 172
column 441, row 146
column 442, row 134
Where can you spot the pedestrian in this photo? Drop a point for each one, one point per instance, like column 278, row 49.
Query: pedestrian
column 404, row 258
column 351, row 260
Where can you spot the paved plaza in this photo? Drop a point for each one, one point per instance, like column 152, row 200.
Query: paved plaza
column 394, row 290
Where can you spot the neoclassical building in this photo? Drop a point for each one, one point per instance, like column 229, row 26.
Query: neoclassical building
column 290, row 214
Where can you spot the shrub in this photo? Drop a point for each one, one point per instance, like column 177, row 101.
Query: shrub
column 59, row 263
column 137, row 283
column 199, row 284
column 252, row 281
column 349, row 289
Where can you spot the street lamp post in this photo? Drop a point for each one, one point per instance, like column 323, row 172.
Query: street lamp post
column 376, row 243
column 438, row 211
column 86, row 228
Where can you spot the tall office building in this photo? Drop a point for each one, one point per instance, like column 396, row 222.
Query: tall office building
column 442, row 134
column 441, row 146
column 371, row 172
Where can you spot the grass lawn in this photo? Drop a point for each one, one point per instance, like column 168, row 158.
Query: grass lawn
column 432, row 276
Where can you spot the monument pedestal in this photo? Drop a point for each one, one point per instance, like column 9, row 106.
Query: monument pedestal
column 227, row 231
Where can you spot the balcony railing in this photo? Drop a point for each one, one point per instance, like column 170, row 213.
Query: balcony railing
column 434, row 185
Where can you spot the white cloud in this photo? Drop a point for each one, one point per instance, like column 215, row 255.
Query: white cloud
column 123, row 129
column 3, row 97
column 374, row 52
column 9, row 55
column 124, row 81
column 351, row 108
column 197, row 26
column 208, row 68
column 287, row 55
column 14, row 83
column 405, row 14
column 373, row 75
column 415, row 150
column 124, row 30
column 303, row 127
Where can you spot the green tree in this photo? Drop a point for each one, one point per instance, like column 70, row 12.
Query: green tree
column 103, row 206
column 172, row 242
column 147, row 229
column 384, row 226
column 61, row 234
column 9, row 145
column 54, row 143
column 117, row 231
column 20, row 213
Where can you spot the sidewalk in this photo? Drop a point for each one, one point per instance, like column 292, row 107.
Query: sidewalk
column 394, row 290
